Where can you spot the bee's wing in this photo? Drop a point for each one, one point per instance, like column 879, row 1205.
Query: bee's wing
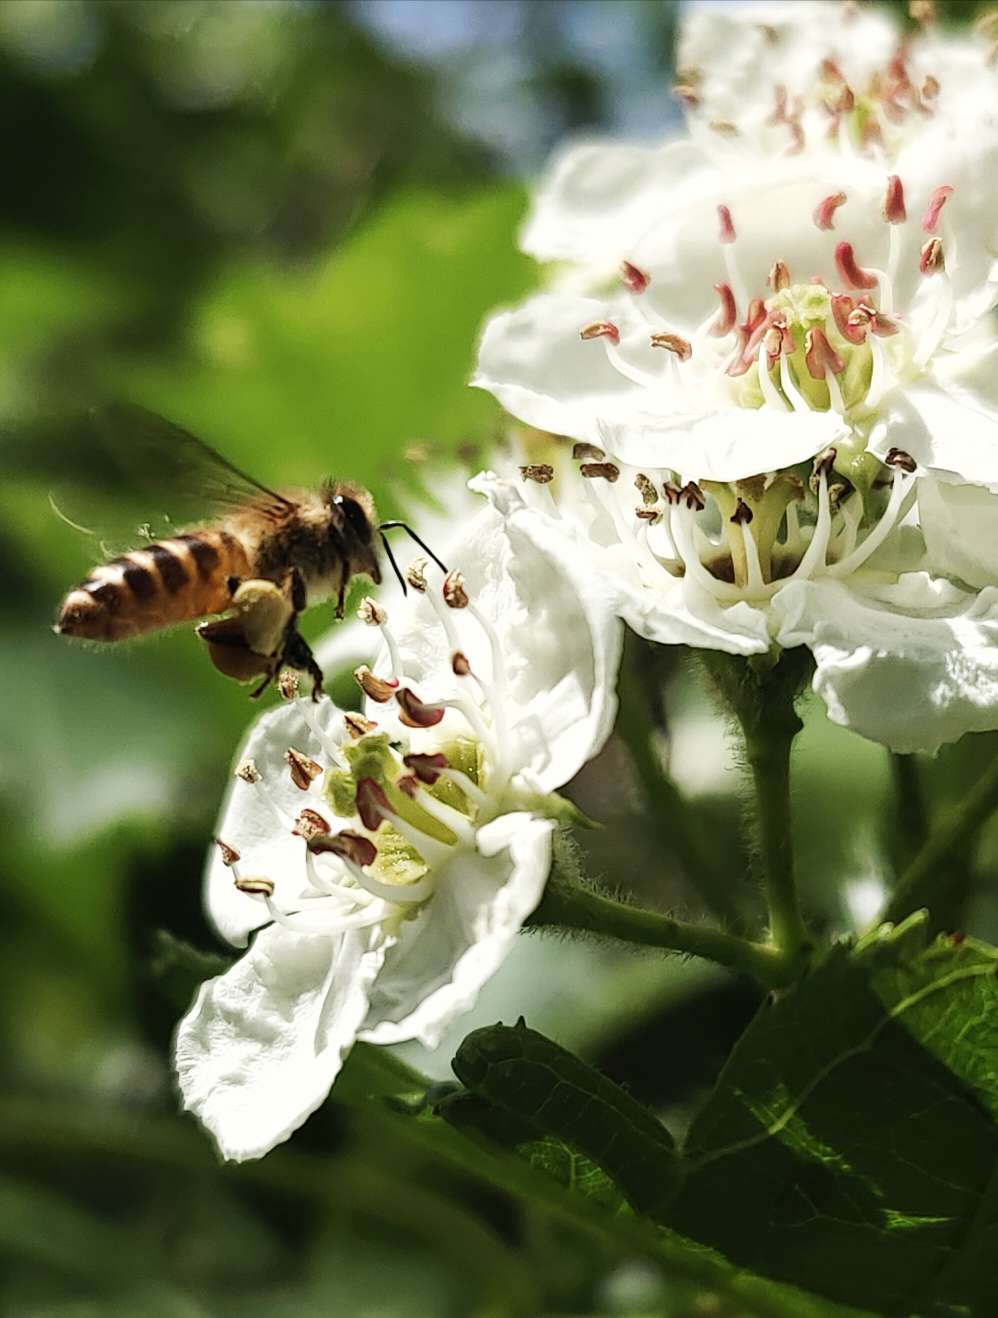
column 182, row 477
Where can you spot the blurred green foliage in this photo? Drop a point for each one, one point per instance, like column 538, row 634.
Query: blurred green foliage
column 262, row 221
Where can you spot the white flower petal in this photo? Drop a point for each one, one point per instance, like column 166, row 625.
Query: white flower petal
column 462, row 936
column 912, row 665
column 597, row 198
column 560, row 649
column 960, row 527
column 724, row 445
column 246, row 823
column 951, row 432
column 261, row 1046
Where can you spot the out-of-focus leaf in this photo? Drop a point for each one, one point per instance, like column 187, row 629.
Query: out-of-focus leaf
column 339, row 369
column 851, row 1145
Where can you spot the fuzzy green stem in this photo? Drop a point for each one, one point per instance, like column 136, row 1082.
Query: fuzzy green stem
column 762, row 694
column 572, row 907
column 668, row 815
column 930, row 876
column 910, row 820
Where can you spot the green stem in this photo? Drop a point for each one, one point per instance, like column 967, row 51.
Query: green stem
column 762, row 695
column 910, row 819
column 571, row 907
column 930, row 876
column 670, row 817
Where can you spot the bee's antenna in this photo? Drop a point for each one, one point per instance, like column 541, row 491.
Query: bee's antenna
column 391, row 559
column 390, row 526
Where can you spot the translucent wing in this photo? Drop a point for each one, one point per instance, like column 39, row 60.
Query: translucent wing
column 181, row 476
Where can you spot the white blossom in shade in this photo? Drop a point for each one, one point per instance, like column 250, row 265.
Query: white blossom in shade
column 902, row 655
column 786, row 89
column 384, row 863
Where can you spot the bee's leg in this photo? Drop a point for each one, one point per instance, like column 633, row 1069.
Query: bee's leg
column 340, row 598
column 298, row 592
column 258, row 691
column 298, row 654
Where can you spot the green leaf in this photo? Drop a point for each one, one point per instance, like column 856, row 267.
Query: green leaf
column 546, row 1087
column 850, row 1145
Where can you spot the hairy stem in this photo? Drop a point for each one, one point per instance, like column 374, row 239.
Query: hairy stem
column 674, row 824
column 762, row 695
column 573, row 907
column 932, row 874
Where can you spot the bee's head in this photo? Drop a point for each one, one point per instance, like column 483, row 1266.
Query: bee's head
column 352, row 510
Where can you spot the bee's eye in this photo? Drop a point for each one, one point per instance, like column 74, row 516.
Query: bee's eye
column 356, row 518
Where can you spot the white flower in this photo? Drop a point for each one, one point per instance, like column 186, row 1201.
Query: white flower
column 780, row 91
column 902, row 656
column 393, row 865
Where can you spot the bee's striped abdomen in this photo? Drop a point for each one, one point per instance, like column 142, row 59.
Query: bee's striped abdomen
column 165, row 583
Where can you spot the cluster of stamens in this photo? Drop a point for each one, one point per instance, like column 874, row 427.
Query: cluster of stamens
column 409, row 808
column 857, row 118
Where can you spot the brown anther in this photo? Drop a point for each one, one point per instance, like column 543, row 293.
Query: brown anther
column 357, row 725
column 255, row 885
column 671, row 493
column 727, row 227
column 409, row 784
column 600, row 329
column 820, row 356
column 850, row 272
column 773, row 339
column 797, row 138
column 417, row 453
column 288, row 684
column 674, row 343
column 930, row 260
column 823, row 463
column 830, row 71
column 416, row 713
column 646, row 488
column 778, row 114
column 427, row 768
column 686, row 94
column 309, row 824
column 372, row 805
column 693, row 495
column 723, row 127
column 647, row 514
column 600, row 471
column 779, row 276
column 415, row 575
column 378, row 689
column 897, row 457
column 248, row 772
column 824, row 213
column 742, row 514
column 883, row 326
column 837, row 492
column 923, row 12
column 541, row 473
column 930, row 220
column 460, row 664
column 842, row 308
column 587, row 453
column 930, row 88
column 348, row 844
column 229, row 854
column 893, row 209
column 371, row 612
column 724, row 322
column 304, row 770
column 636, row 280
column 455, row 595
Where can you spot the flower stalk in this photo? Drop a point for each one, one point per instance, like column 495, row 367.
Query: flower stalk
column 569, row 906
column 762, row 694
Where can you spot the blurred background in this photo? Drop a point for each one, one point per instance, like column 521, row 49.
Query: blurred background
column 281, row 223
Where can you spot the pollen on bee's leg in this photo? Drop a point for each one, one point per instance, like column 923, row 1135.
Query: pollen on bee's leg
column 288, row 684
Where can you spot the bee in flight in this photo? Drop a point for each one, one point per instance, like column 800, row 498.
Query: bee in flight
column 263, row 558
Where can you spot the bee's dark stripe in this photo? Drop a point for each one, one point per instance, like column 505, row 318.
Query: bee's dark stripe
column 171, row 570
column 140, row 581
column 204, row 554
column 107, row 594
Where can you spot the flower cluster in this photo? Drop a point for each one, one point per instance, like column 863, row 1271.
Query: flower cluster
column 764, row 407
column 785, row 414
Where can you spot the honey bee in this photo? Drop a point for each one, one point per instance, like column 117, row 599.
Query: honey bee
column 261, row 559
